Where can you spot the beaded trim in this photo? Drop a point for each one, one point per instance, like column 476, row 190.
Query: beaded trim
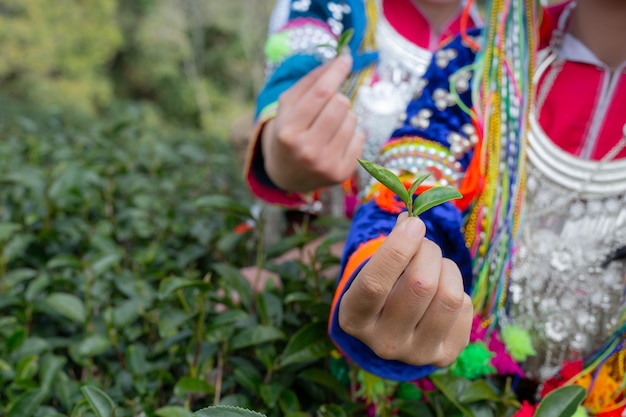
column 414, row 155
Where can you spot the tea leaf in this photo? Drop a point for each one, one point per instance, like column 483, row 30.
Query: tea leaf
column 101, row 404
column 188, row 385
column 173, row 411
column 343, row 40
column 27, row 404
column 226, row 411
column 251, row 336
column 386, row 178
column 309, row 343
column 434, row 196
column 66, row 305
column 417, row 183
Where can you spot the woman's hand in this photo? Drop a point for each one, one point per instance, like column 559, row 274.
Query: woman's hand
column 313, row 141
column 407, row 303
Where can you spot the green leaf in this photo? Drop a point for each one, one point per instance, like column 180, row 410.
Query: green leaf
column 326, row 380
column 562, row 402
column 331, row 410
column 255, row 335
column 298, row 297
column 66, row 305
column 309, row 343
column 434, row 196
column 288, row 402
column 418, row 181
column 170, row 285
column 229, row 317
column 236, row 281
column 105, row 263
column 26, row 368
column 344, row 39
column 386, row 178
column 173, row 411
column 64, row 261
column 270, row 393
column 188, row 385
column 92, row 345
column 226, row 411
column 101, row 404
column 51, row 365
column 27, row 404
column 15, row 339
column 443, row 384
column 224, row 203
column 478, row 391
column 270, row 309
column 7, row 230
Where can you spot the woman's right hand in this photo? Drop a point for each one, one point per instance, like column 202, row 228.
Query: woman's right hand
column 313, row 141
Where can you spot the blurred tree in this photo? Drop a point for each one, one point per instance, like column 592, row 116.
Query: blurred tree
column 56, row 52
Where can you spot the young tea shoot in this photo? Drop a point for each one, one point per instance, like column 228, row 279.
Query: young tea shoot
column 415, row 206
column 343, row 40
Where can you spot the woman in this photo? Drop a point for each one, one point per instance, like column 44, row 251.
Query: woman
column 567, row 282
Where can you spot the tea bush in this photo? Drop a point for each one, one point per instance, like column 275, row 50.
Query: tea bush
column 115, row 236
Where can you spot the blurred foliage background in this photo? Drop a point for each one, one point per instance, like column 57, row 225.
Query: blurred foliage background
column 191, row 62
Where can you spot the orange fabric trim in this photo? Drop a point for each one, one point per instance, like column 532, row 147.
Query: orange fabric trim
column 364, row 252
column 473, row 179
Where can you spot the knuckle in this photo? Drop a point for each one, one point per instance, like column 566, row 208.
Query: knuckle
column 322, row 92
column 341, row 102
column 395, row 254
column 348, row 323
column 370, row 289
column 385, row 349
column 451, row 300
column 423, row 288
column 444, row 359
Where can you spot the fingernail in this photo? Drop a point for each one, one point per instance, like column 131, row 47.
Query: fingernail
column 413, row 226
column 345, row 59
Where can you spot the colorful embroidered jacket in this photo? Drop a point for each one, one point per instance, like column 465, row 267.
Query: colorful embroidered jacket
column 576, row 215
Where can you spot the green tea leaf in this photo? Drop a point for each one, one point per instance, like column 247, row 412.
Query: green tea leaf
column 433, row 197
column 386, row 178
column 417, row 183
column 442, row 383
column 478, row 391
column 326, row 380
column 309, row 343
column 66, row 305
column 344, row 39
column 101, row 404
column 170, row 285
column 226, row 411
column 51, row 365
column 27, row 404
column 251, row 336
column 561, row 402
column 173, row 411
column 188, row 385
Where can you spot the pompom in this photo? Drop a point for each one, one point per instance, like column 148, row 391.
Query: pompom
column 526, row 410
column 277, row 47
column 474, row 362
column 518, row 342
